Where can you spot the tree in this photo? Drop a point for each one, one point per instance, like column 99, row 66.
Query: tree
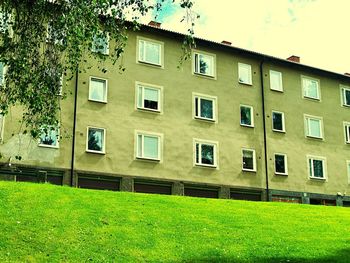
column 43, row 40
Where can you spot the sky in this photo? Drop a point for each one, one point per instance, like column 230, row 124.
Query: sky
column 318, row 31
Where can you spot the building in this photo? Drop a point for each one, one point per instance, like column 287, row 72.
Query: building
column 230, row 123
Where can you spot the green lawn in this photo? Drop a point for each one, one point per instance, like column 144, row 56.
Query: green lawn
column 42, row 223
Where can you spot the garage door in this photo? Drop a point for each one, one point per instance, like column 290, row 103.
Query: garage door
column 245, row 195
column 286, row 199
column 152, row 188
column 201, row 192
column 98, row 183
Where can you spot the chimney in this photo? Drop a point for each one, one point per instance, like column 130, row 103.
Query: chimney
column 347, row 74
column 154, row 24
column 228, row 43
column 294, row 59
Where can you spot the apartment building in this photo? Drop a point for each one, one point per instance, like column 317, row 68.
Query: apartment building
column 230, row 123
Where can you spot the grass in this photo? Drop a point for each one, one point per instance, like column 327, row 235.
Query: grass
column 40, row 223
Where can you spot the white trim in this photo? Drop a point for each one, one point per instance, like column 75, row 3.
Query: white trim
column 150, row 86
column 346, row 129
column 279, row 74
column 324, row 167
column 106, row 89
column 251, row 114
column 200, row 96
column 215, row 145
column 285, row 163
column 57, row 140
column 348, row 170
column 2, row 126
column 307, row 117
column 213, row 60
column 159, row 136
column 142, row 61
column 103, row 151
column 318, row 98
column 249, row 68
column 283, row 121
column 254, row 160
column 343, row 88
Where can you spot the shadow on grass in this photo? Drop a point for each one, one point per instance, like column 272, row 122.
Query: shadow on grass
column 342, row 256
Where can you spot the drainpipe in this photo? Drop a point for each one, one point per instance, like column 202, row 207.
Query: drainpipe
column 74, row 126
column 264, row 127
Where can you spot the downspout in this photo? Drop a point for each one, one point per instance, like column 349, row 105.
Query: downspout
column 74, row 127
column 264, row 127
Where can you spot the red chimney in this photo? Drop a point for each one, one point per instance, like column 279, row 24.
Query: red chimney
column 294, row 59
column 226, row 42
column 154, row 24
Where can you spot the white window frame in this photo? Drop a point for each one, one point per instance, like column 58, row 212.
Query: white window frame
column 143, row 61
column 106, row 87
column 103, row 151
column 215, row 144
column 279, row 74
column 254, row 160
column 324, row 167
column 348, row 170
column 346, row 127
column 307, row 126
column 342, row 95
column 249, row 67
column 149, row 86
column 213, row 60
column 51, row 146
column 150, row 134
column 285, row 163
column 206, row 97
column 94, row 50
column 318, row 98
column 283, row 122
column 3, row 73
column 252, row 115
column 2, row 126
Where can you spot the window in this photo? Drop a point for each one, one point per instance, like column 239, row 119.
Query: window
column 317, row 168
column 276, row 80
column 49, row 137
column 100, row 44
column 95, row 141
column 204, row 64
column 281, row 164
column 244, row 73
column 148, row 146
column 205, row 153
column 248, row 160
column 313, row 127
column 98, row 89
column 2, row 124
column 148, row 97
column 278, row 121
column 149, row 52
column 247, row 118
column 2, row 73
column 311, row 88
column 204, row 107
column 347, row 132
column 345, row 96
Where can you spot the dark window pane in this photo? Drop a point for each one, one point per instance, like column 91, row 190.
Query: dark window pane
column 246, row 118
column 206, row 108
column 280, row 164
column 248, row 160
column 347, row 133
column 277, row 121
column 207, row 154
column 197, row 153
column 196, row 107
column 95, row 139
column 347, row 97
column 150, row 104
column 318, row 168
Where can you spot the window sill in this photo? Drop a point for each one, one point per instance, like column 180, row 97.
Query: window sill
column 279, row 131
column 98, row 101
column 204, row 119
column 248, row 170
column 315, row 138
column 147, row 159
column 48, row 146
column 312, row 99
column 204, row 75
column 148, row 110
column 206, row 166
column 277, row 90
column 346, row 105
column 318, row 179
column 96, row 152
column 245, row 83
column 248, row 126
column 281, row 174
column 150, row 64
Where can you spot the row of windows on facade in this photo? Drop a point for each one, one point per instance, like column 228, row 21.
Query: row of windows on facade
column 149, row 98
column 149, row 147
column 151, row 52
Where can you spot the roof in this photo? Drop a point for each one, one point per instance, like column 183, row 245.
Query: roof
column 260, row 56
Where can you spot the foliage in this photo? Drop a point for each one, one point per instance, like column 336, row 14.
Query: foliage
column 45, row 223
column 43, row 40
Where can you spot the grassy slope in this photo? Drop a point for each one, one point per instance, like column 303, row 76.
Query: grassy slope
column 50, row 223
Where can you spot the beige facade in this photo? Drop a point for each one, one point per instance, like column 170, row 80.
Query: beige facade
column 197, row 110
